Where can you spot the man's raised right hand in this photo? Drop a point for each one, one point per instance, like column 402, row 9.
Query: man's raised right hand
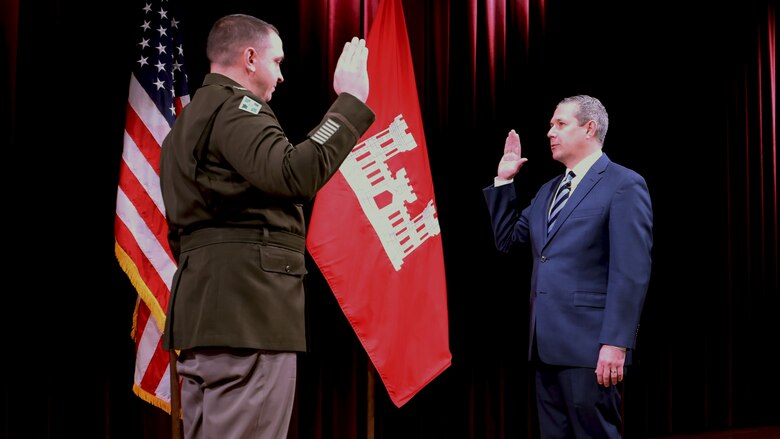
column 351, row 75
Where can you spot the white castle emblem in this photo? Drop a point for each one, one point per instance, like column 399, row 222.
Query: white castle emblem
column 383, row 196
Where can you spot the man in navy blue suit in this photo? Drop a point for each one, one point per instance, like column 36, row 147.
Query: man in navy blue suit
column 590, row 234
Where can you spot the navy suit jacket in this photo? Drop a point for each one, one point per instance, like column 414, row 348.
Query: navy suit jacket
column 591, row 273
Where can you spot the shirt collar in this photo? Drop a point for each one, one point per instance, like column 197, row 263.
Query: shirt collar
column 583, row 166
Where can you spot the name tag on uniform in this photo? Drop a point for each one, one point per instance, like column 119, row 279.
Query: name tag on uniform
column 250, row 105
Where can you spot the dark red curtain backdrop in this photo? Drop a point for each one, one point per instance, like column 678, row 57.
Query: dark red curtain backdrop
column 691, row 88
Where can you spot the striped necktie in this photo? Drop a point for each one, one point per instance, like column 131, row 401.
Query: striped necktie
column 560, row 199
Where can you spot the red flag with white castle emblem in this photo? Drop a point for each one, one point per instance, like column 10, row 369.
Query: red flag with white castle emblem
column 374, row 230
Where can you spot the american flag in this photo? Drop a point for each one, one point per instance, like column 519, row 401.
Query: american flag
column 158, row 92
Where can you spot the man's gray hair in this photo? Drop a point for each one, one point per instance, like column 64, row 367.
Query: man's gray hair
column 590, row 108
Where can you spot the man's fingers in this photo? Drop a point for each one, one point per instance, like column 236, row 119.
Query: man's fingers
column 512, row 143
column 351, row 74
column 354, row 53
column 363, row 55
column 345, row 54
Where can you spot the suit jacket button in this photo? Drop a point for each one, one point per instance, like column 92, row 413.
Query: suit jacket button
column 544, row 258
column 287, row 268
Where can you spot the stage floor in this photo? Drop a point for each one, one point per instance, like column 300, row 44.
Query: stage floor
column 770, row 432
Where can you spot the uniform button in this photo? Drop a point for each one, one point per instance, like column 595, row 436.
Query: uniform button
column 287, row 268
column 544, row 258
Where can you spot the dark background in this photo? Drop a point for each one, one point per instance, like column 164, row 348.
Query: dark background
column 687, row 87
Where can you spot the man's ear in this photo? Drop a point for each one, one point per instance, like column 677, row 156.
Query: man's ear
column 590, row 128
column 250, row 59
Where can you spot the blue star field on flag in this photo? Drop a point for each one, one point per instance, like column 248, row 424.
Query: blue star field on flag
column 159, row 62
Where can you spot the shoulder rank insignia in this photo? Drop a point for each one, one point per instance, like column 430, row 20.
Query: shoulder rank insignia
column 250, row 105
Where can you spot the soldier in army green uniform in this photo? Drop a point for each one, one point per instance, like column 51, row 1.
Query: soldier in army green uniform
column 233, row 188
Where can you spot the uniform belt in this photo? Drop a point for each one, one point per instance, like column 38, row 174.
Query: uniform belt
column 207, row 236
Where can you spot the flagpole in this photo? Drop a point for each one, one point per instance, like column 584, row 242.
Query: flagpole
column 175, row 399
column 370, row 394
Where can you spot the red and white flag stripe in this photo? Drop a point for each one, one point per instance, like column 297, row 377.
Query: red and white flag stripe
column 157, row 93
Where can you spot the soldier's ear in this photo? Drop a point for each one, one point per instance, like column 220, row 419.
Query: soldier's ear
column 249, row 58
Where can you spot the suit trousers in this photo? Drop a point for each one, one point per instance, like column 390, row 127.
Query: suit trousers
column 572, row 404
column 236, row 393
